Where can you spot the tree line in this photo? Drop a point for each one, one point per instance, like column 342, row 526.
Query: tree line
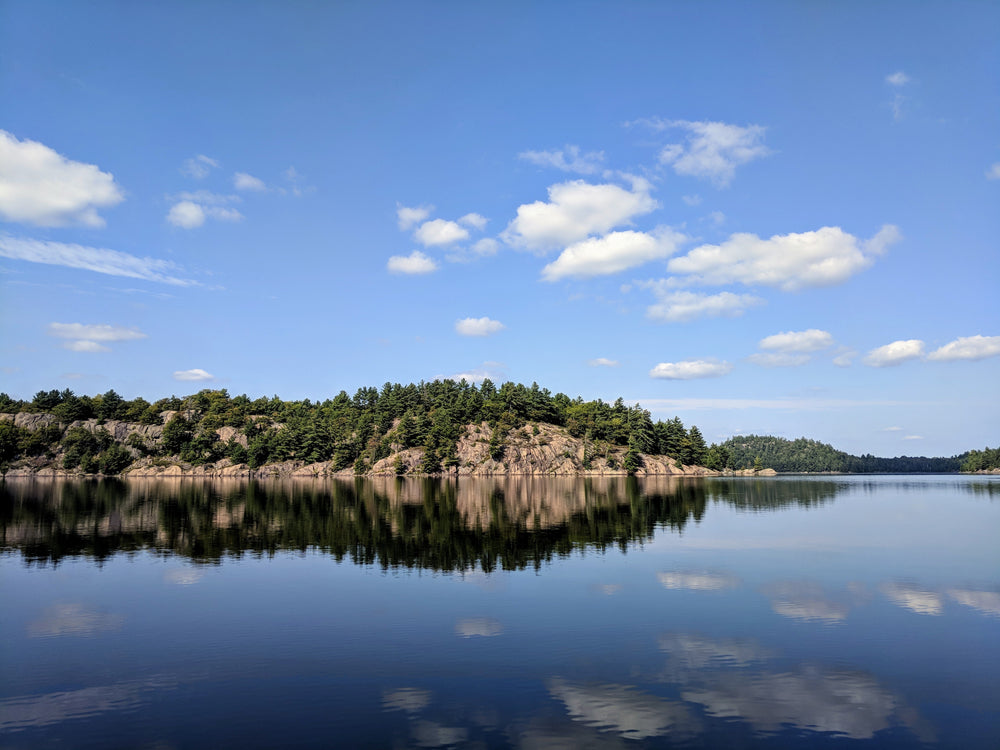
column 351, row 432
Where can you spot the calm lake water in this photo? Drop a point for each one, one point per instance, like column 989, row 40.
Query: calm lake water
column 716, row 613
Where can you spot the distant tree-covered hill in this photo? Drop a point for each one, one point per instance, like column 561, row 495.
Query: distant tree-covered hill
column 803, row 455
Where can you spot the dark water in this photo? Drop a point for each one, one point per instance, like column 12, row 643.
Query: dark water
column 786, row 613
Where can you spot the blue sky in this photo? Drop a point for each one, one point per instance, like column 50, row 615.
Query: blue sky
column 768, row 217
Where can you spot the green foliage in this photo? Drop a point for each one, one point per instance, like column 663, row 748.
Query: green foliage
column 78, row 444
column 115, row 459
column 176, row 435
column 984, row 460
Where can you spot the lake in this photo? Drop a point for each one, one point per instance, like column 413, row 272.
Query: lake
column 791, row 612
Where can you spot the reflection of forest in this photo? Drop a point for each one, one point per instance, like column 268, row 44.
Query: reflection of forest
column 508, row 523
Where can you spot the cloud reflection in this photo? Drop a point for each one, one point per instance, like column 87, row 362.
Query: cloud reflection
column 478, row 626
column 432, row 734
column 987, row 602
column 183, row 576
column 914, row 598
column 697, row 581
column 805, row 602
column 73, row 619
column 410, row 700
column 693, row 651
column 623, row 709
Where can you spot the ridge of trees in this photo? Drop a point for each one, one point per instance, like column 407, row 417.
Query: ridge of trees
column 804, row 455
column 349, row 431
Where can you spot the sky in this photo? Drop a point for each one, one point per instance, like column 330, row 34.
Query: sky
column 773, row 218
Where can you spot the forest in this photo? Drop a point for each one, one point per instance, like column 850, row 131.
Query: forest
column 355, row 432
column 351, row 432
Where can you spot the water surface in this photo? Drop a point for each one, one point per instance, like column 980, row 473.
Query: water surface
column 789, row 612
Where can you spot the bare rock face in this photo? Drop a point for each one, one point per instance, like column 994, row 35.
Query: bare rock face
column 229, row 433
column 30, row 421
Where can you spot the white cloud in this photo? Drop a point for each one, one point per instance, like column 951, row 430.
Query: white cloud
column 845, row 357
column 691, row 200
column 612, row 253
column 194, row 375
column 576, row 210
column 811, row 340
column 474, row 220
column 895, row 353
column 899, row 78
column 440, row 232
column 186, row 215
column 677, row 307
column 198, row 167
column 414, row 263
column 478, row 326
column 970, row 347
column 993, row 173
column 205, row 198
column 603, row 362
column 491, row 370
column 86, row 346
column 89, row 338
column 892, row 429
column 41, row 187
column 244, row 181
column 690, row 369
column 111, row 262
column 94, row 332
column 408, row 217
column 189, row 215
column 568, row 159
column 486, row 246
column 714, row 150
column 789, row 262
column 913, row 437
column 778, row 359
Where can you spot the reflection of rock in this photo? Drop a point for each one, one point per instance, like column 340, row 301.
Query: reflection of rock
column 622, row 709
column 805, row 602
column 432, row 734
column 481, row 626
column 987, row 602
column 915, row 599
column 698, row 581
column 73, row 619
column 847, row 703
column 694, row 651
column 410, row 700
column 29, row 711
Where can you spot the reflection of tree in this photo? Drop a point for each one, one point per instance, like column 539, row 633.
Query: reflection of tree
column 508, row 523
column 771, row 494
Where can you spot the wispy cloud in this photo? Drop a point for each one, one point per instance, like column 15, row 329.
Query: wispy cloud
column 244, row 181
column 92, row 338
column 111, row 262
column 40, row 186
column 712, row 150
column 199, row 166
column 568, row 159
column 409, row 216
column 603, row 362
column 189, row 215
column 681, row 306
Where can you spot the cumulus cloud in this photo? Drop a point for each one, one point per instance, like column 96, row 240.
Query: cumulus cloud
column 969, row 347
column 408, row 217
column 899, row 78
column 414, row 263
column 603, row 362
column 568, row 159
column 198, row 167
column 789, row 262
column 486, row 246
column 812, row 340
column 612, row 253
column 189, row 215
column 690, row 369
column 440, row 232
column 40, row 186
column 478, row 326
column 575, row 211
column 244, row 181
column 713, row 150
column 778, row 359
column 111, row 262
column 194, row 375
column 678, row 307
column 895, row 353
column 92, row 338
column 474, row 220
